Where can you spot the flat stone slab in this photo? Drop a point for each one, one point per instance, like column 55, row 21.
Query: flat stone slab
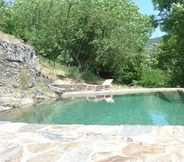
column 128, row 130
column 22, row 142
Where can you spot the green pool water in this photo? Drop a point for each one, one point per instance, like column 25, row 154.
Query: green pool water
column 143, row 109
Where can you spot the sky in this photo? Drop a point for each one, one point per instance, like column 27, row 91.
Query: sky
column 146, row 7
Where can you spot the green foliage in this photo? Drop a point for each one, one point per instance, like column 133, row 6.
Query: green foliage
column 164, row 6
column 150, row 58
column 170, row 54
column 96, row 35
column 24, row 78
column 73, row 72
column 5, row 12
column 153, row 78
column 120, row 56
column 43, row 88
column 90, row 77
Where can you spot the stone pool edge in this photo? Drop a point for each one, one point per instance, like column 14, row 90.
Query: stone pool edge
column 122, row 91
column 90, row 143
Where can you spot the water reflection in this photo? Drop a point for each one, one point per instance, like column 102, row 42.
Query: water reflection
column 98, row 98
column 176, row 96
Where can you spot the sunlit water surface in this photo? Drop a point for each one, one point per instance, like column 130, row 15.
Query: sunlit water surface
column 143, row 109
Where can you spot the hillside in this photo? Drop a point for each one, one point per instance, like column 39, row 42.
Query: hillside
column 21, row 80
column 10, row 38
column 26, row 79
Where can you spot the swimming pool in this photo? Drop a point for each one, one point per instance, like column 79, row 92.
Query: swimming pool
column 135, row 109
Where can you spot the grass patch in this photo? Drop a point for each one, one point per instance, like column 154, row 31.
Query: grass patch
column 91, row 78
column 42, row 87
column 24, row 79
column 54, row 70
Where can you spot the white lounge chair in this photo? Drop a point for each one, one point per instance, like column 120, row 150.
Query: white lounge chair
column 106, row 84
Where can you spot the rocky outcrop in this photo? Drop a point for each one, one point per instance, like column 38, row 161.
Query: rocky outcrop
column 19, row 73
column 18, row 65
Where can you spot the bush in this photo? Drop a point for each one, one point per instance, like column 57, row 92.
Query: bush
column 73, row 72
column 90, row 77
column 153, row 78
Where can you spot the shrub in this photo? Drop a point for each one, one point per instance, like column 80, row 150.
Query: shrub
column 153, row 78
column 73, row 72
column 89, row 77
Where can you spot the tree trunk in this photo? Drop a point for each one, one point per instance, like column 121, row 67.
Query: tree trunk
column 81, row 64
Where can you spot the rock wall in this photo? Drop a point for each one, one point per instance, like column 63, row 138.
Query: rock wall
column 18, row 66
column 19, row 72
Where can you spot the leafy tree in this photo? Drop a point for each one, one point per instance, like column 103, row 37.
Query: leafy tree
column 101, row 36
column 170, row 55
column 5, row 12
column 153, row 78
column 152, row 75
column 165, row 5
column 124, row 32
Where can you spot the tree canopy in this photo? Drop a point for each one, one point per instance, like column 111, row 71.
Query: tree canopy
column 170, row 54
column 105, row 37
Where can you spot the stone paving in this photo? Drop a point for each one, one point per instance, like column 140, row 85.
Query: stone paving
column 21, row 142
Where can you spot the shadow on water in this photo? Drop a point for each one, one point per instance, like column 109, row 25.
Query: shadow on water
column 176, row 96
column 181, row 94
